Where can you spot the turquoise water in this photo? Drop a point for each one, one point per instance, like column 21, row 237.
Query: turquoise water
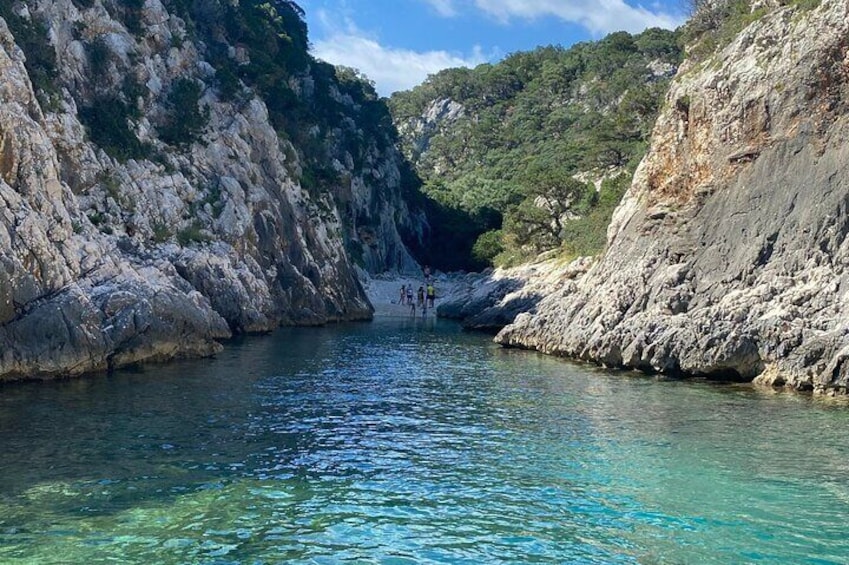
column 411, row 442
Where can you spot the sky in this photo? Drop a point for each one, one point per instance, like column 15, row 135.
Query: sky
column 398, row 43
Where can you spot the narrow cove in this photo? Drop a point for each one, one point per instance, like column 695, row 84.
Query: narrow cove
column 410, row 441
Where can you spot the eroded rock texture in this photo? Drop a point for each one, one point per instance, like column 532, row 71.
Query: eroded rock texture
column 728, row 256
column 106, row 262
column 491, row 300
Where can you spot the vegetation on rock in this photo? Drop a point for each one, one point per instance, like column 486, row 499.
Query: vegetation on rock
column 497, row 182
column 264, row 45
column 331, row 116
column 185, row 119
column 31, row 36
column 715, row 23
column 107, row 120
column 502, row 171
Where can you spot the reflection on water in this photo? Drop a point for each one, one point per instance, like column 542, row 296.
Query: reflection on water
column 408, row 441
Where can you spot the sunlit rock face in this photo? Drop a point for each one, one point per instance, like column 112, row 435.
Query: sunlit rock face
column 108, row 261
column 728, row 255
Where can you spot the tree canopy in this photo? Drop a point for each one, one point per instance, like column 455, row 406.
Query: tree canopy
column 528, row 126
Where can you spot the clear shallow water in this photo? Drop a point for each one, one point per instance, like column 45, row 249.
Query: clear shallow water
column 411, row 442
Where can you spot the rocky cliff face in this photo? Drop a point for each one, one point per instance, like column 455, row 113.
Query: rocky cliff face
column 728, row 256
column 108, row 261
column 436, row 120
column 491, row 300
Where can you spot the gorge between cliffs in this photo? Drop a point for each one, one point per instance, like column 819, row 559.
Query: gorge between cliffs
column 160, row 194
column 205, row 230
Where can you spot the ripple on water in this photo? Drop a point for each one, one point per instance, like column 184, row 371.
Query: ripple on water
column 412, row 443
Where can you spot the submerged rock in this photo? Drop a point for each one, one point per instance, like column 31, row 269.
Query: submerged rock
column 728, row 255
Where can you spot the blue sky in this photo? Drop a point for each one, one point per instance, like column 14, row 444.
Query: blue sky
column 398, row 43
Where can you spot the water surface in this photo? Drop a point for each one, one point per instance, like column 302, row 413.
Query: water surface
column 411, row 442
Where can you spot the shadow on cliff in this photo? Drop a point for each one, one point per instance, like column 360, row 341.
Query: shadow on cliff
column 492, row 306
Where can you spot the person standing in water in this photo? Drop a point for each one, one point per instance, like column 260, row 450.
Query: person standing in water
column 403, row 294
column 431, row 294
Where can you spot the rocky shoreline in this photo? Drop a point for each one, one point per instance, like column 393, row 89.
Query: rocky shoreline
column 491, row 300
column 727, row 257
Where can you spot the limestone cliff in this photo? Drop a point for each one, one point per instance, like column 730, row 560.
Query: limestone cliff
column 728, row 256
column 151, row 240
column 491, row 300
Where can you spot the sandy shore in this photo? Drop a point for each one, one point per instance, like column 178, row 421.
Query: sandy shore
column 384, row 292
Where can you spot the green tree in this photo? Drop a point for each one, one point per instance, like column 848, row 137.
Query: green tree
column 553, row 198
column 185, row 120
column 587, row 109
column 551, row 111
column 107, row 121
column 488, row 246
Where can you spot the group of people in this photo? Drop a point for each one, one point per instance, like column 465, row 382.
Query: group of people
column 425, row 295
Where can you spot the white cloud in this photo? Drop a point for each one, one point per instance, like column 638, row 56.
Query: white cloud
column 391, row 69
column 598, row 16
column 341, row 42
column 444, row 8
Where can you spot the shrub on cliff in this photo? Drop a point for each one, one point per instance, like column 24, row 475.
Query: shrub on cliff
column 185, row 120
column 107, row 121
column 714, row 24
column 31, row 36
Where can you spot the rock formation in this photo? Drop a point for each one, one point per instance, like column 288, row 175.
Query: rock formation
column 109, row 261
column 436, row 120
column 491, row 300
column 728, row 256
